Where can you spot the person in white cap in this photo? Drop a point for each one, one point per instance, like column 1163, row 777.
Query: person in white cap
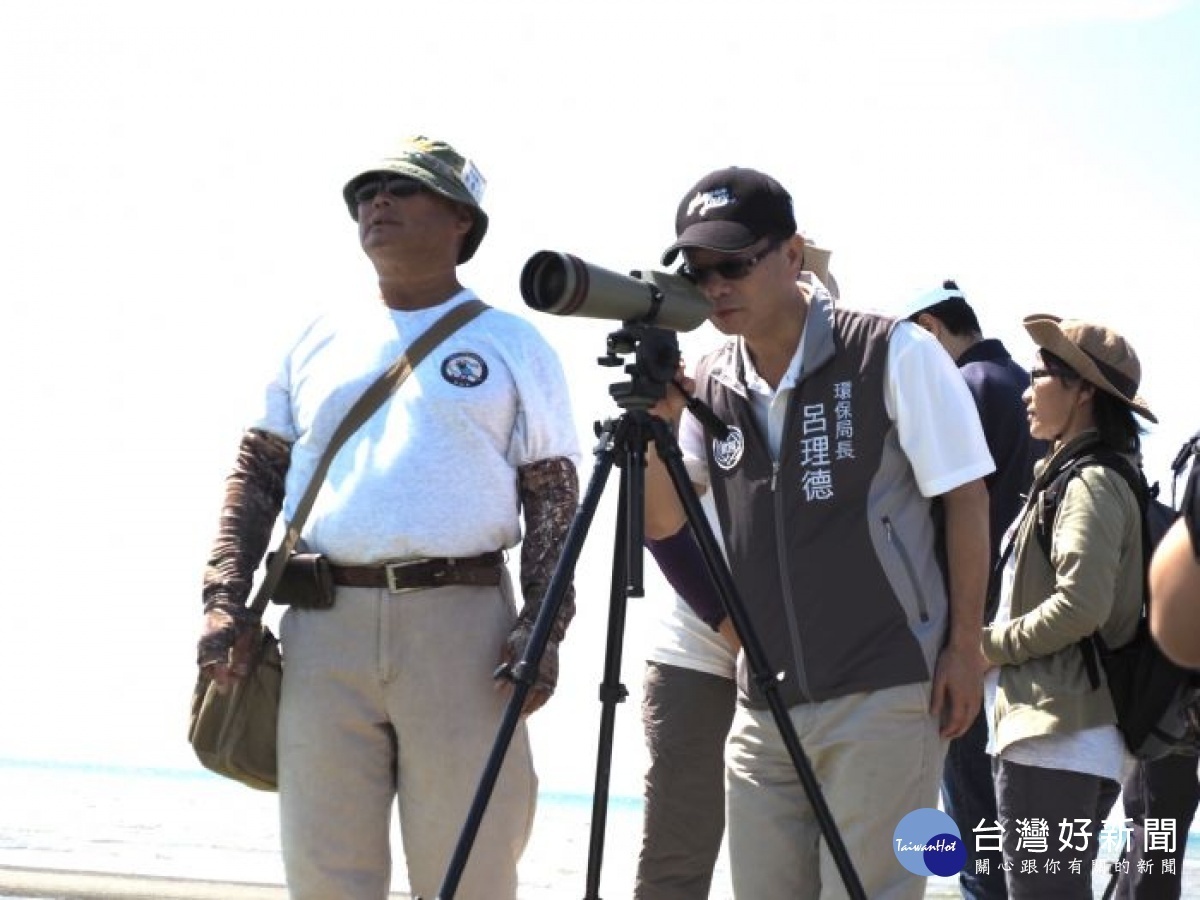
column 997, row 383
column 389, row 695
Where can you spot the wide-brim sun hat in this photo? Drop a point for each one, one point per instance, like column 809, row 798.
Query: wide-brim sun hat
column 442, row 169
column 1100, row 356
column 816, row 260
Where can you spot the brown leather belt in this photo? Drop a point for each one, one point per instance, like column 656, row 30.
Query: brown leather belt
column 484, row 570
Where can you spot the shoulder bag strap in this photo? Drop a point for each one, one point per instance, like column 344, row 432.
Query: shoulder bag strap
column 366, row 405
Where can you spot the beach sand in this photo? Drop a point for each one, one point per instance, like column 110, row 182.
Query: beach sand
column 43, row 884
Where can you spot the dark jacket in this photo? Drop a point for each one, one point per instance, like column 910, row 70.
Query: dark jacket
column 997, row 383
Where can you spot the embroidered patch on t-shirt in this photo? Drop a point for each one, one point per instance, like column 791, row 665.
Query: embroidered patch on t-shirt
column 464, row 369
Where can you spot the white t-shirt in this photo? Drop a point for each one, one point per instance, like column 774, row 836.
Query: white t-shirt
column 433, row 472
column 937, row 421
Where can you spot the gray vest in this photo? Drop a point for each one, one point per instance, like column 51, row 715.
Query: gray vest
column 833, row 546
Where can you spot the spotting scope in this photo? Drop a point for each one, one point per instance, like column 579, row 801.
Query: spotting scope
column 565, row 285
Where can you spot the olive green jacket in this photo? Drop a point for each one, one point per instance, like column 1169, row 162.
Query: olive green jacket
column 1093, row 580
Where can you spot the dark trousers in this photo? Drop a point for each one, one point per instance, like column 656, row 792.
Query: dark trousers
column 1165, row 789
column 686, row 715
column 969, row 797
column 1052, row 795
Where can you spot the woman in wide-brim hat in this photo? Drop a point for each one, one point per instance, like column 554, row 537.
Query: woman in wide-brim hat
column 1057, row 754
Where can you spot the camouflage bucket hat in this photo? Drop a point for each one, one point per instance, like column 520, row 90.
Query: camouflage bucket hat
column 442, row 169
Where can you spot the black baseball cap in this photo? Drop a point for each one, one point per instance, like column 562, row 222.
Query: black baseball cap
column 730, row 210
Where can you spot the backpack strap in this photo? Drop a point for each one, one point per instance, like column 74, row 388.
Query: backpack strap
column 1051, row 496
column 1093, row 645
column 1190, row 448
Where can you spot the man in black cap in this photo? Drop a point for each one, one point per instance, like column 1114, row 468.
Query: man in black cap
column 688, row 698
column 843, row 428
column 388, row 692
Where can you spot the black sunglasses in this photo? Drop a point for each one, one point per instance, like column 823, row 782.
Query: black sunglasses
column 396, row 186
column 730, row 270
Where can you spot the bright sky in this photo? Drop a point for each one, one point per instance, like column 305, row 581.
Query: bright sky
column 172, row 215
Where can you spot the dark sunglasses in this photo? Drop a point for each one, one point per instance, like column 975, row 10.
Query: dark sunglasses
column 730, row 270
column 398, row 186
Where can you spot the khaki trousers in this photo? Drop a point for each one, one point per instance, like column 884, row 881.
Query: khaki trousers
column 877, row 757
column 391, row 697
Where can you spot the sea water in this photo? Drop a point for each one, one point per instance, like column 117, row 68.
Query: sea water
column 189, row 823
column 192, row 824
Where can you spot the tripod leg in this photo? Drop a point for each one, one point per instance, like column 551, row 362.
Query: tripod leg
column 612, row 691
column 756, row 661
column 525, row 671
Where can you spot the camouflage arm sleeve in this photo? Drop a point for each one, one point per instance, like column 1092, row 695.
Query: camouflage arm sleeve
column 549, row 491
column 253, row 499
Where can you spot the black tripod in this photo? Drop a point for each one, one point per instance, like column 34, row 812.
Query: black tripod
column 624, row 441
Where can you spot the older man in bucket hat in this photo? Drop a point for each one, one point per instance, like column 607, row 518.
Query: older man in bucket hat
column 389, row 693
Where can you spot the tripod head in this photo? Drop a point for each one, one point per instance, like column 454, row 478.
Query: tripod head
column 655, row 361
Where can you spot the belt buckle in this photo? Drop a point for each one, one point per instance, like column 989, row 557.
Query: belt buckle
column 390, row 570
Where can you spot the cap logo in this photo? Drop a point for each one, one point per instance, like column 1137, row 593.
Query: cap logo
column 708, row 200
column 473, row 181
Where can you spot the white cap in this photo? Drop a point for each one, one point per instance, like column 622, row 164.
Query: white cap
column 926, row 297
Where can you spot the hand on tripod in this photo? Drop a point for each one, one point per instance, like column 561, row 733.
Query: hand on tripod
column 547, row 674
column 679, row 393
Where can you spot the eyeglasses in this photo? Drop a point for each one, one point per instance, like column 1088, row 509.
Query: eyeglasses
column 1064, row 374
column 730, row 270
column 398, row 186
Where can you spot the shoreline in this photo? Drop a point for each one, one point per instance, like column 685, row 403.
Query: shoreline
column 19, row 881
column 56, row 884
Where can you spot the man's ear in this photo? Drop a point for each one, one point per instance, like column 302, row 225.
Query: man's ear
column 793, row 247
column 466, row 219
column 929, row 323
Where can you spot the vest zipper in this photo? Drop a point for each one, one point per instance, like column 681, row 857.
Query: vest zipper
column 894, row 540
column 785, row 582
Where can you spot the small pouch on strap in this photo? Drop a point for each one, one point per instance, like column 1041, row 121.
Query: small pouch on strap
column 306, row 583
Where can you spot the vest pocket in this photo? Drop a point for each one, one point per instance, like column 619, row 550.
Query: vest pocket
column 894, row 540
